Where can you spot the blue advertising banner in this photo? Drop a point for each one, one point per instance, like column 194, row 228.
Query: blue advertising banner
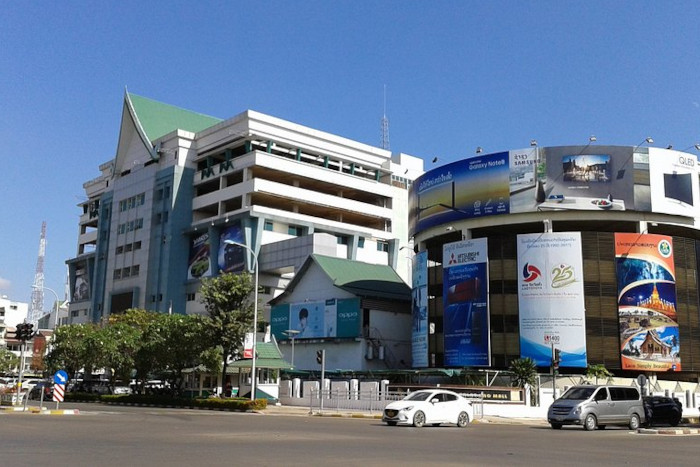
column 231, row 258
column 419, row 334
column 465, row 300
column 474, row 187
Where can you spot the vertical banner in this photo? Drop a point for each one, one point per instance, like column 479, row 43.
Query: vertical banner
column 199, row 257
column 465, row 301
column 419, row 333
column 550, row 298
column 231, row 258
column 646, row 285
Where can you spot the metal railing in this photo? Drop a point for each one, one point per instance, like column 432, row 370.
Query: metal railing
column 372, row 401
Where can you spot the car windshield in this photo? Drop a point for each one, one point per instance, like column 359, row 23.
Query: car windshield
column 578, row 394
column 418, row 396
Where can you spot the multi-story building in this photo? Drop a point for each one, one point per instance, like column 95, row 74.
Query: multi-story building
column 181, row 184
column 588, row 254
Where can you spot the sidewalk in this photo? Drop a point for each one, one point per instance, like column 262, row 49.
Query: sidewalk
column 377, row 415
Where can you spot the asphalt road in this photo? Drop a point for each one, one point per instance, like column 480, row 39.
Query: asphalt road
column 110, row 436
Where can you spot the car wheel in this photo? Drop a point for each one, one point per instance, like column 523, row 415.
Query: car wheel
column 590, row 423
column 419, row 419
column 556, row 426
column 634, row 421
column 675, row 421
column 391, row 423
column 463, row 419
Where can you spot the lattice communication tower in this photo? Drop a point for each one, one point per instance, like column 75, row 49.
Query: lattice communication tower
column 37, row 309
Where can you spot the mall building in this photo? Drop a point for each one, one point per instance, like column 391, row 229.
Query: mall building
column 185, row 190
column 586, row 252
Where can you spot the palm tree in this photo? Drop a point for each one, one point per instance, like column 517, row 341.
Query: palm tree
column 597, row 371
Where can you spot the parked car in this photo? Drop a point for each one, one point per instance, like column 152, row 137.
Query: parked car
column 121, row 390
column 660, row 409
column 46, row 387
column 429, row 406
column 598, row 406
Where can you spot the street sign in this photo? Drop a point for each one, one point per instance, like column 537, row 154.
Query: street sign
column 58, row 391
column 60, row 377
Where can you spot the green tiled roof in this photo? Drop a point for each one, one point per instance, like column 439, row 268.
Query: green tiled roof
column 364, row 279
column 269, row 356
column 158, row 119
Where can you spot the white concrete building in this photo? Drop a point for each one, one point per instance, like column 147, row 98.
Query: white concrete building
column 181, row 184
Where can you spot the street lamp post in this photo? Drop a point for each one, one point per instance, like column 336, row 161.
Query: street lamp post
column 255, row 316
column 292, row 334
column 55, row 295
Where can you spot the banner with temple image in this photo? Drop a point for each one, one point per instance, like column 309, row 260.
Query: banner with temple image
column 646, row 285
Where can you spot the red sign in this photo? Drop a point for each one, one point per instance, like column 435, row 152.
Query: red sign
column 58, row 392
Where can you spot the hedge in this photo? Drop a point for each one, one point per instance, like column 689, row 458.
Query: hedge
column 236, row 403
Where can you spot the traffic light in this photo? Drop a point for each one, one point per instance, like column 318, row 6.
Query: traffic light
column 556, row 360
column 25, row 331
column 319, row 356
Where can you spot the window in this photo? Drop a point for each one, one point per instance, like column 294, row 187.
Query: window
column 295, row 230
column 361, row 242
column 342, row 239
column 119, row 250
column 382, row 246
column 269, row 226
column 74, row 313
column 117, row 274
column 128, row 247
column 191, row 297
column 126, row 272
column 137, row 245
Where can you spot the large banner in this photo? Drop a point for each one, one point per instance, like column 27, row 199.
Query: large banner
column 465, row 300
column 646, row 286
column 231, row 258
column 199, row 264
column 674, row 182
column 550, row 298
column 419, row 336
column 317, row 320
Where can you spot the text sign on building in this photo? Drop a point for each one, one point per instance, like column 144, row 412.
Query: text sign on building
column 646, row 302
column 550, row 298
column 465, row 301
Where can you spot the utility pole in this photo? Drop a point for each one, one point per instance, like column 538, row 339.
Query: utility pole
column 321, row 358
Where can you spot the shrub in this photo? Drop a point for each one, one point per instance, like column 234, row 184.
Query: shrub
column 238, row 404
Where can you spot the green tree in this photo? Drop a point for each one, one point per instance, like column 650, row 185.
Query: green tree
column 524, row 371
column 230, row 309
column 119, row 343
column 597, row 371
column 68, row 348
column 8, row 361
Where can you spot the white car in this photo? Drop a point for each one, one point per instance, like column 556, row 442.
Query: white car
column 429, row 406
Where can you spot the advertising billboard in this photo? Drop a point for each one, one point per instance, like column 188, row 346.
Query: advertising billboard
column 199, row 264
column 465, row 299
column 81, row 288
column 550, row 298
column 474, row 187
column 231, row 258
column 647, row 302
column 419, row 288
column 591, row 178
column 332, row 318
column 674, row 182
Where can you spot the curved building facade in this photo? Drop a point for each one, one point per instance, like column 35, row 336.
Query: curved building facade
column 586, row 252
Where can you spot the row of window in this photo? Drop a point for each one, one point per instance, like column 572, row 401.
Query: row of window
column 132, row 202
column 297, row 231
column 130, row 226
column 128, row 247
column 129, row 271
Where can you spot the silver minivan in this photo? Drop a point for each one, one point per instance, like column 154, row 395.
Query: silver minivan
column 597, row 406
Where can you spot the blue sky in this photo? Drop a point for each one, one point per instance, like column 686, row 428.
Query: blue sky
column 459, row 74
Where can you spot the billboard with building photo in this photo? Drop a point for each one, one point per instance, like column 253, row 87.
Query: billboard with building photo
column 465, row 299
column 647, row 302
column 231, row 258
column 550, row 298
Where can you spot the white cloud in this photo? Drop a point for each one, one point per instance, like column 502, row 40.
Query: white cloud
column 4, row 284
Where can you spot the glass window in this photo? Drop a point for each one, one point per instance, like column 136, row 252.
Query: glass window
column 382, row 246
column 269, row 226
column 361, row 242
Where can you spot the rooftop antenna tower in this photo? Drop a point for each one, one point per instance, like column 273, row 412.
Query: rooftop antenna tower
column 385, row 126
column 37, row 309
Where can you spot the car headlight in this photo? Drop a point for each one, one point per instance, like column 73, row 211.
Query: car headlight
column 577, row 410
column 407, row 409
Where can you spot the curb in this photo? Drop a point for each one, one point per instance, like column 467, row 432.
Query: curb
column 669, row 431
column 36, row 410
